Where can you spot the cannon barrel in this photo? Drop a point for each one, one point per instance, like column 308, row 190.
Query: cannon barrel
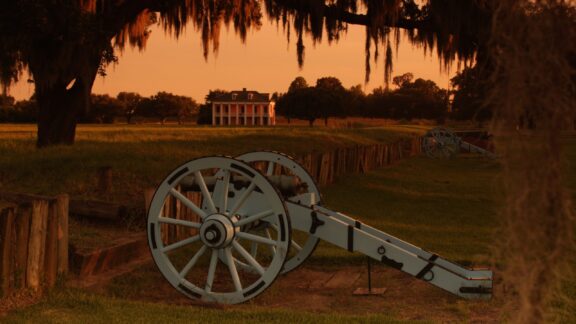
column 287, row 185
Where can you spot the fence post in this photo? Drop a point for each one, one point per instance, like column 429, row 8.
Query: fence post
column 62, row 214
column 7, row 237
column 36, row 243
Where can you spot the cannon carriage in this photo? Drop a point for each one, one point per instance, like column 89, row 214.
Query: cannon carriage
column 261, row 215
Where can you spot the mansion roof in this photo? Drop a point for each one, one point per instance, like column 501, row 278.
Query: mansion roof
column 243, row 96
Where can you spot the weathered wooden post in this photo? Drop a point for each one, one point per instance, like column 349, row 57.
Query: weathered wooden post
column 36, row 250
column 7, row 236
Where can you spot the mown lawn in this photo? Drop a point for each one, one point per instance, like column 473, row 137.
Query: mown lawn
column 142, row 155
column 446, row 206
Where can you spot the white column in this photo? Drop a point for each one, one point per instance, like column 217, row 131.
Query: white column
column 221, row 115
column 237, row 122
column 261, row 113
column 229, row 115
column 245, row 114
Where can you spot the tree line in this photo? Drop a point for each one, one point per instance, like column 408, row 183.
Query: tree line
column 105, row 109
column 410, row 99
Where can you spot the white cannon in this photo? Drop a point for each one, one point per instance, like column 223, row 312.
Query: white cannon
column 261, row 215
column 442, row 143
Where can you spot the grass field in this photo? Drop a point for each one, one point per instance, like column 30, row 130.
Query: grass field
column 141, row 156
column 446, row 206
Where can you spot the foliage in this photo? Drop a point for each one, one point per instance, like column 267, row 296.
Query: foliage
column 103, row 110
column 213, row 94
column 165, row 105
column 470, row 95
column 419, row 99
column 129, row 102
column 402, row 80
column 533, row 92
column 298, row 83
column 204, row 115
column 24, row 111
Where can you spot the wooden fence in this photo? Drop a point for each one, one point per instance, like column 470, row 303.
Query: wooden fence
column 326, row 167
column 33, row 242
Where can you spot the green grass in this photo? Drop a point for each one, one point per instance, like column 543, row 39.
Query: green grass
column 446, row 206
column 78, row 307
column 141, row 156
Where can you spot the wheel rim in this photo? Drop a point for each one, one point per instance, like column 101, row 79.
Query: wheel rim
column 273, row 163
column 441, row 143
column 193, row 265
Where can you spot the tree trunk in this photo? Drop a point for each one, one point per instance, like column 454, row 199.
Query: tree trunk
column 58, row 113
column 311, row 122
column 326, row 121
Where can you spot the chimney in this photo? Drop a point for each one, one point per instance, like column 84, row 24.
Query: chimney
column 244, row 89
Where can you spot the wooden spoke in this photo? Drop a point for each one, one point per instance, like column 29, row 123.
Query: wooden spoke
column 248, row 257
column 255, row 217
column 207, row 196
column 187, row 202
column 179, row 244
column 232, row 268
column 181, row 222
column 193, row 261
column 255, row 238
column 211, row 271
column 243, row 198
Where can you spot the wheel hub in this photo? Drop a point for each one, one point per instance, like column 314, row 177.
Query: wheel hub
column 217, row 231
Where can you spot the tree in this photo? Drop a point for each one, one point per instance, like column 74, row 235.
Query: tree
column 298, row 83
column 469, row 96
column 165, row 105
column 214, row 94
column 306, row 104
column 204, row 115
column 401, row 80
column 331, row 94
column 103, row 109
column 355, row 102
column 129, row 102
column 65, row 45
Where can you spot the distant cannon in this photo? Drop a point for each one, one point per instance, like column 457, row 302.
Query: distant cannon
column 260, row 216
column 442, row 143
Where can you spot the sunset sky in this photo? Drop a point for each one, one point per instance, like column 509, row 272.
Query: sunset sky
column 266, row 63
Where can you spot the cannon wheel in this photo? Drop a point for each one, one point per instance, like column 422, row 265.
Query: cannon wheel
column 191, row 265
column 303, row 244
column 441, row 143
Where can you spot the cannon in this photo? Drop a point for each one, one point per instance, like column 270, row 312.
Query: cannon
column 261, row 215
column 443, row 143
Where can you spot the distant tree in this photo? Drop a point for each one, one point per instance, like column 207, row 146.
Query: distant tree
column 424, row 99
column 213, row 94
column 204, row 115
column 166, row 105
column 379, row 103
column 12, row 111
column 355, row 103
column 331, row 94
column 129, row 102
column 469, row 96
column 403, row 79
column 298, row 83
column 103, row 109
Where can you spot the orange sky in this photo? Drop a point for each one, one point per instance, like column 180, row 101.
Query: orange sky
column 265, row 63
